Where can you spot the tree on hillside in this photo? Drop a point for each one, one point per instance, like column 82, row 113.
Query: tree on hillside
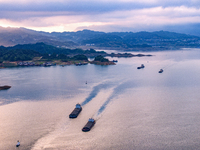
column 19, row 55
column 100, row 58
column 80, row 57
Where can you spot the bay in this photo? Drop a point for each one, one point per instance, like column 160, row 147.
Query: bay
column 133, row 108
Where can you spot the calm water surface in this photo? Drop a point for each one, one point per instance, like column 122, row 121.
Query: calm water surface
column 134, row 109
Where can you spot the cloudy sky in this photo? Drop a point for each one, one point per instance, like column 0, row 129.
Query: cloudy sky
column 99, row 15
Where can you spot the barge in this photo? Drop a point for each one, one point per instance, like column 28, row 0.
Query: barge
column 76, row 111
column 160, row 71
column 142, row 66
column 5, row 87
column 89, row 125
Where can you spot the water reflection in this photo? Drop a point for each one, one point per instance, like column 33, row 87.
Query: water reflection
column 141, row 109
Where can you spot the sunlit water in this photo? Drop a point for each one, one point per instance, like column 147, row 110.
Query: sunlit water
column 133, row 109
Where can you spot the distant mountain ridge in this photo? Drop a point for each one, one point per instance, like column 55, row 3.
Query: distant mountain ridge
column 13, row 36
column 95, row 39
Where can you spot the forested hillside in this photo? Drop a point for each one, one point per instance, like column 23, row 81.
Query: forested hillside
column 29, row 51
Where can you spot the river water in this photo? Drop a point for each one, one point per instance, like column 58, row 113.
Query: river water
column 134, row 109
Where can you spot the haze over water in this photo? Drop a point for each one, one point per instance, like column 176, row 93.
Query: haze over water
column 134, row 109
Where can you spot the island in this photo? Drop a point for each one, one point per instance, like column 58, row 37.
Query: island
column 126, row 55
column 100, row 60
column 40, row 54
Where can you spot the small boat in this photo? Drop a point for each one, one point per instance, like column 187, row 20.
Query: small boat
column 78, row 64
column 89, row 125
column 115, row 61
column 142, row 66
column 5, row 87
column 76, row 111
column 160, row 71
column 18, row 144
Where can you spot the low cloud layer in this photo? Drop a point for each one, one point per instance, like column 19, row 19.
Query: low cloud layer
column 102, row 15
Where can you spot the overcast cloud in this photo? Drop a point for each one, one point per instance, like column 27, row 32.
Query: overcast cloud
column 101, row 15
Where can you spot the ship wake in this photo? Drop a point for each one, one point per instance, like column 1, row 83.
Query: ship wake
column 45, row 141
column 95, row 91
column 120, row 89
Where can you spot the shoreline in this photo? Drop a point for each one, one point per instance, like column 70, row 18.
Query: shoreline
column 47, row 63
column 51, row 63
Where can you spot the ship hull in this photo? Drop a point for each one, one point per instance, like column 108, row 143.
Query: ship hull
column 88, row 126
column 5, row 87
column 75, row 113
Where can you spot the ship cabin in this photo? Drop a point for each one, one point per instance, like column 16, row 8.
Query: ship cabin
column 78, row 105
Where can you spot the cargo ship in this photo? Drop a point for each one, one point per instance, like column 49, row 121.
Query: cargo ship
column 89, row 125
column 142, row 66
column 5, row 87
column 76, row 111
